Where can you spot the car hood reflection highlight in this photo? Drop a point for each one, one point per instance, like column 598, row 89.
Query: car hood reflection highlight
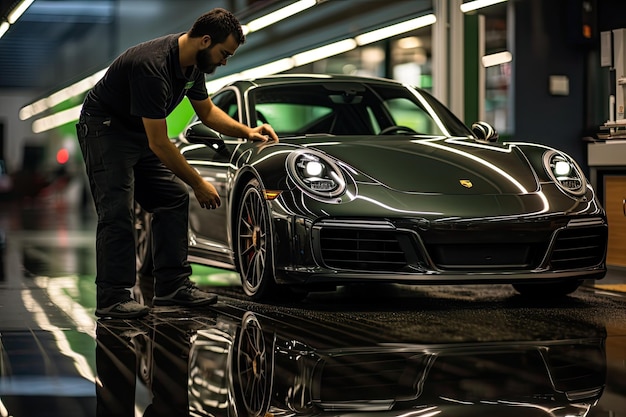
column 493, row 169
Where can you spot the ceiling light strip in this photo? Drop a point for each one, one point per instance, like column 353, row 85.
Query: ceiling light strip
column 397, row 29
column 268, row 69
column 82, row 86
column 478, row 4
column 14, row 15
column 325, row 51
column 278, row 15
column 4, row 26
column 19, row 11
column 60, row 96
column 56, row 119
column 285, row 64
column 496, row 59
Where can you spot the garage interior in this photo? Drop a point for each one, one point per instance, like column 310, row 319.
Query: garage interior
column 549, row 72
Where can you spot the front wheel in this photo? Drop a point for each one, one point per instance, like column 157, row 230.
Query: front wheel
column 546, row 290
column 254, row 248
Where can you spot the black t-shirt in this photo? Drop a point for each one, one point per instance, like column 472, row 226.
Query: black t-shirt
column 145, row 81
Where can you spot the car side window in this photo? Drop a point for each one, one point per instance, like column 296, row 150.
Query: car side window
column 227, row 101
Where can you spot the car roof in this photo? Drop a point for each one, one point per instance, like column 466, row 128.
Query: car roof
column 300, row 78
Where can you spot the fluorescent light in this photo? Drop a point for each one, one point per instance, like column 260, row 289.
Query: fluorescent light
column 397, row 29
column 60, row 96
column 497, row 59
column 324, row 52
column 19, row 10
column 278, row 15
column 336, row 48
column 409, row 42
column 217, row 83
column 57, row 119
column 268, row 69
column 4, row 26
column 46, row 103
column 478, row 4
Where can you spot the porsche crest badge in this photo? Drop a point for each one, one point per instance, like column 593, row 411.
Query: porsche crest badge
column 466, row 183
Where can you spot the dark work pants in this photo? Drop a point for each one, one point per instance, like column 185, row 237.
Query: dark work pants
column 121, row 169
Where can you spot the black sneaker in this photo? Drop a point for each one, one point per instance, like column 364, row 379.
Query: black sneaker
column 187, row 295
column 128, row 309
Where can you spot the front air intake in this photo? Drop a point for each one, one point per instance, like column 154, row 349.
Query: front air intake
column 362, row 250
column 579, row 247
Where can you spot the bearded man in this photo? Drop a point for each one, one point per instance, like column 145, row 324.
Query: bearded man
column 129, row 157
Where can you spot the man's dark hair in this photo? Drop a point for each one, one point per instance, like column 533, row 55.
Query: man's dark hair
column 218, row 24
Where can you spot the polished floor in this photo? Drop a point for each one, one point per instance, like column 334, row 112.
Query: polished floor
column 362, row 351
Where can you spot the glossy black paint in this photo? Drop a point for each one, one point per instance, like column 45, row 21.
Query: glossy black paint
column 442, row 207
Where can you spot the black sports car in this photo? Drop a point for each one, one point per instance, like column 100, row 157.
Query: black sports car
column 372, row 181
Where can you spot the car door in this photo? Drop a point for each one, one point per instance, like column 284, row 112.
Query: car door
column 209, row 227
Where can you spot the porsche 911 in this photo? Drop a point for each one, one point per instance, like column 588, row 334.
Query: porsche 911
column 377, row 181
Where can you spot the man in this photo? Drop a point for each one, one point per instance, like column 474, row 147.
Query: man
column 128, row 156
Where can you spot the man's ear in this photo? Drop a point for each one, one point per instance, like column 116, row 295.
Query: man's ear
column 206, row 41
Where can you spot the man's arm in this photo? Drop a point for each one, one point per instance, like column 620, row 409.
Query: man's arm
column 167, row 152
column 215, row 118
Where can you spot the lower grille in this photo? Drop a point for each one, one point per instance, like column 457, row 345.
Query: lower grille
column 362, row 250
column 484, row 256
column 579, row 247
column 368, row 247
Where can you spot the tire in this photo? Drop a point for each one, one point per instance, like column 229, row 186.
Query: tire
column 547, row 290
column 254, row 246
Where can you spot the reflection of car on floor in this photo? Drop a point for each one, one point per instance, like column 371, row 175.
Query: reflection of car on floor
column 247, row 365
column 376, row 181
column 248, row 359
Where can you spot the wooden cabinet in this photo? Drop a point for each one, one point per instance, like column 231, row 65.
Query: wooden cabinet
column 607, row 174
column 615, row 206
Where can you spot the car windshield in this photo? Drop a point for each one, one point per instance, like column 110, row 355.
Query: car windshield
column 350, row 108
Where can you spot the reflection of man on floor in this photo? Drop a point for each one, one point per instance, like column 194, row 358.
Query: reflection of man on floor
column 170, row 371
column 117, row 351
column 164, row 347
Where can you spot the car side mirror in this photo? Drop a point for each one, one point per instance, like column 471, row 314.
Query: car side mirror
column 204, row 135
column 485, row 132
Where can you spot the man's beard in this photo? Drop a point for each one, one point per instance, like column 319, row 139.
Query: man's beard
column 204, row 63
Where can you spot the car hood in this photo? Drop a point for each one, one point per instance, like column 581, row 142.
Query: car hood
column 436, row 165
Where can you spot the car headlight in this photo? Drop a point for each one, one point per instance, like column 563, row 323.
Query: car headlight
column 565, row 172
column 316, row 173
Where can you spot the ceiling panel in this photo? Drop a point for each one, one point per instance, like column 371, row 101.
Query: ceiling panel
column 36, row 39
